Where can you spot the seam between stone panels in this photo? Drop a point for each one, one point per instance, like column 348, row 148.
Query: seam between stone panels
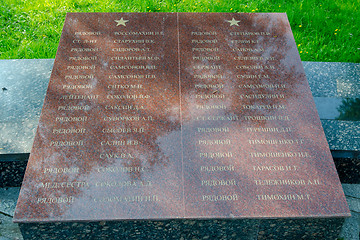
column 180, row 115
column 5, row 214
column 349, row 196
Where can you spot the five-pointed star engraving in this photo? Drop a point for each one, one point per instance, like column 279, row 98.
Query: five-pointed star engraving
column 233, row 22
column 121, row 22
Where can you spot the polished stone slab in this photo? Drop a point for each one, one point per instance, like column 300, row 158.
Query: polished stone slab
column 241, row 113
column 25, row 82
column 343, row 109
column 342, row 135
column 36, row 73
column 333, row 79
column 337, row 132
column 23, row 86
column 189, row 116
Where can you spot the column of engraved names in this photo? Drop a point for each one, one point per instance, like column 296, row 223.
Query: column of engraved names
column 133, row 64
column 212, row 128
column 264, row 103
column 80, row 58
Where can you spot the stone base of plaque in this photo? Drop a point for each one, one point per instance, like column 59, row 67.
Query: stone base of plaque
column 245, row 229
column 12, row 169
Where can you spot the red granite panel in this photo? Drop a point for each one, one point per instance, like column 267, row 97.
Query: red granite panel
column 111, row 121
column 178, row 115
column 253, row 141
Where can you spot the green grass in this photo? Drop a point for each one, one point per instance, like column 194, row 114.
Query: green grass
column 327, row 30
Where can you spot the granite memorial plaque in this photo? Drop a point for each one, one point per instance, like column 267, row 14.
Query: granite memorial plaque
column 170, row 125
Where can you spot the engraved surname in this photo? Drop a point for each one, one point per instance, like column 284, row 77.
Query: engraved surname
column 248, row 49
column 255, row 67
column 268, row 129
column 261, row 96
column 131, row 76
column 115, row 155
column 276, row 141
column 275, row 168
column 120, row 169
column 279, row 154
column 120, row 143
column 136, row 58
column 136, row 41
column 243, row 41
column 122, row 118
column 265, row 86
column 254, row 58
column 123, row 130
column 252, row 76
column 263, row 141
column 136, row 49
column 140, row 198
column 251, row 107
column 129, row 118
column 124, row 107
column 249, row 33
column 283, row 197
column 124, row 184
column 274, row 182
column 125, row 86
column 203, row 33
column 133, row 67
column 138, row 33
column 129, row 96
column 267, row 118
